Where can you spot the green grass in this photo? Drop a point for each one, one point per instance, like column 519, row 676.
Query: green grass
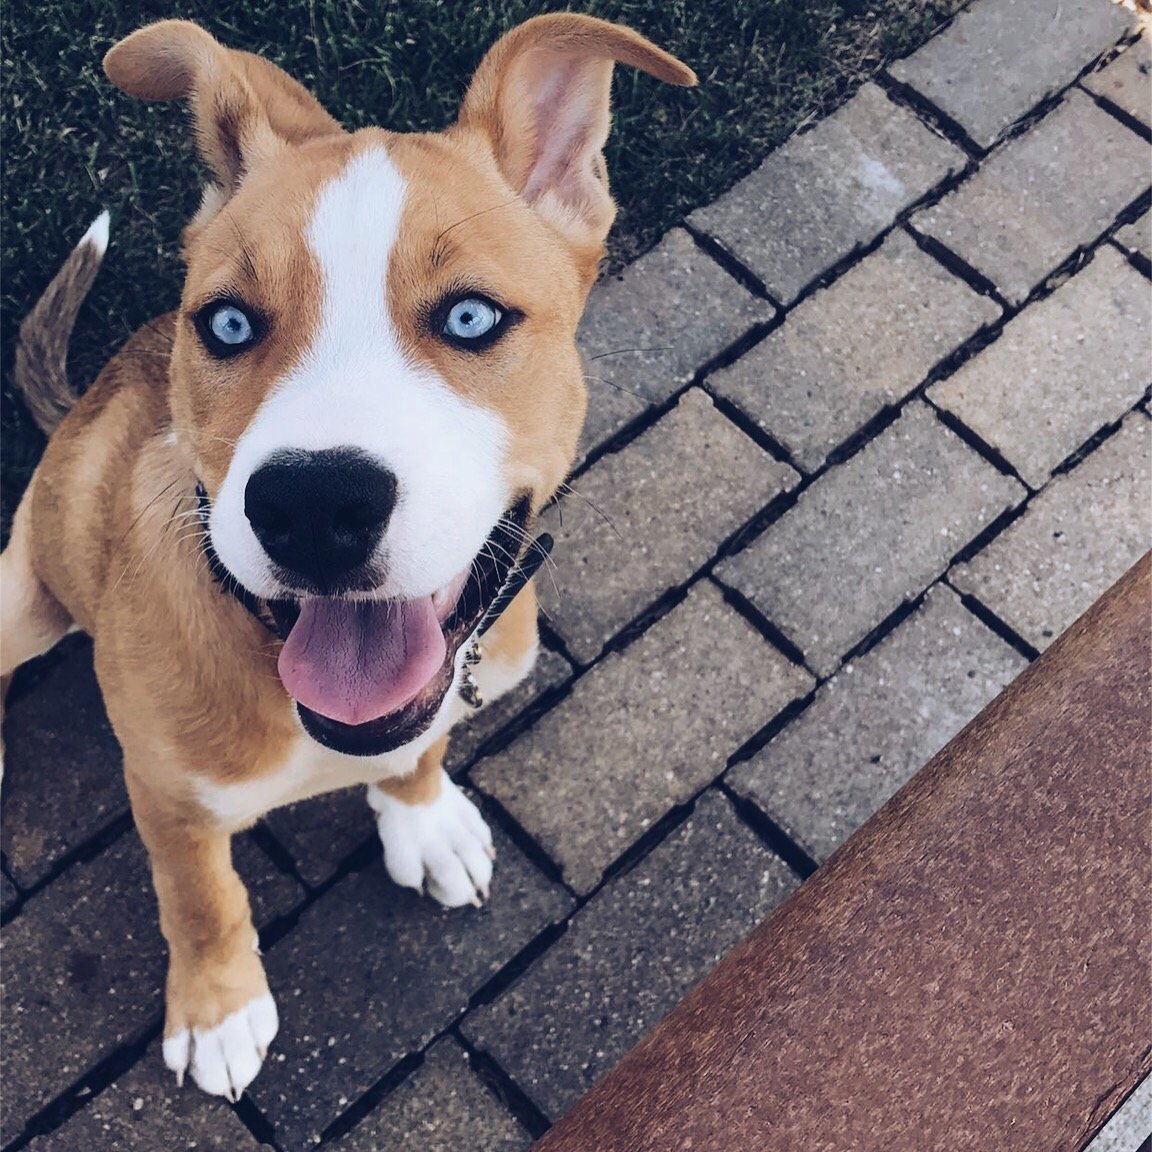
column 74, row 145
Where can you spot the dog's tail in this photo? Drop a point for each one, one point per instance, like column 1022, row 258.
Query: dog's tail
column 41, row 369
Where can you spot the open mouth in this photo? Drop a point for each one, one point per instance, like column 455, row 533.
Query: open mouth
column 369, row 676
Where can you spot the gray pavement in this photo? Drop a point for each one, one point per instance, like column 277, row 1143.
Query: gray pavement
column 865, row 436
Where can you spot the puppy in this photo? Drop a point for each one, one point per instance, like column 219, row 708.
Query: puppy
column 284, row 511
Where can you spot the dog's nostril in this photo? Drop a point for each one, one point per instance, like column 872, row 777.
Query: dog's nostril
column 320, row 515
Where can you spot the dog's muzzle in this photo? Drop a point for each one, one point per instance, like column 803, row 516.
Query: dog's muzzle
column 392, row 662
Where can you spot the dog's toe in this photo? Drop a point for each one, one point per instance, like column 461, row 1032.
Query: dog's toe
column 224, row 1060
column 444, row 846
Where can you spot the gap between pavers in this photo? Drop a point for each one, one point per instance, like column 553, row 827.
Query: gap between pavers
column 1060, row 371
column 647, row 518
column 647, row 331
column 1076, row 539
column 825, row 372
column 643, row 731
column 630, row 954
column 1026, row 210
column 441, row 1106
column 825, row 193
column 372, row 972
column 870, row 535
column 876, row 723
column 1000, row 58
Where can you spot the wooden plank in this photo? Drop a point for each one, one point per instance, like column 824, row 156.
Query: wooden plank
column 970, row 970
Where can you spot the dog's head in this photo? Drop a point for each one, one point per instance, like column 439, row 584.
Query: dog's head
column 374, row 368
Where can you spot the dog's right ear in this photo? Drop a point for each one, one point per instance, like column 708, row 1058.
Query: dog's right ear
column 246, row 109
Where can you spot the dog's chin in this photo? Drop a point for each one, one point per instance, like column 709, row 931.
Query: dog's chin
column 486, row 577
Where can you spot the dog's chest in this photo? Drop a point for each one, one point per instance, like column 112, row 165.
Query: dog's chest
column 308, row 770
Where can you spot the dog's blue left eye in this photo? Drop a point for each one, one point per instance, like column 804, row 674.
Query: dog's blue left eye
column 471, row 319
column 230, row 326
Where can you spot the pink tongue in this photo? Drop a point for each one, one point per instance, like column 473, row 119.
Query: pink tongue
column 354, row 661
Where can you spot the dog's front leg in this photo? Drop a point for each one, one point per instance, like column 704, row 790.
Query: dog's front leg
column 219, row 1015
column 433, row 835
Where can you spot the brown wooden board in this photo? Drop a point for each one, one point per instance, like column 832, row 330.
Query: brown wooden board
column 970, row 970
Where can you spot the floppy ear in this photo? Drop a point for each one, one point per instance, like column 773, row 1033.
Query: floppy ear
column 245, row 108
column 541, row 96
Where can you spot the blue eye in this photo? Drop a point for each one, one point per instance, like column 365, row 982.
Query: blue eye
column 230, row 326
column 471, row 319
column 226, row 329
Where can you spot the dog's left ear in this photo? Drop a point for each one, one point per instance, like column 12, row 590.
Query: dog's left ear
column 541, row 97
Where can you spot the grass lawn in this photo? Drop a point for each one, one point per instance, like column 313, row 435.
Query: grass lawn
column 73, row 144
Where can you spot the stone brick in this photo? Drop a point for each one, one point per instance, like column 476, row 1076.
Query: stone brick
column 1028, row 209
column 1060, row 370
column 827, row 192
column 1127, row 82
column 321, row 832
column 823, row 374
column 63, row 780
column 648, row 517
column 999, row 59
column 8, row 893
column 877, row 722
column 1077, row 538
column 550, row 671
column 144, row 1111
column 644, row 730
column 869, row 535
column 372, row 972
column 84, row 966
column 647, row 331
column 1137, row 236
column 442, row 1107
column 630, row 955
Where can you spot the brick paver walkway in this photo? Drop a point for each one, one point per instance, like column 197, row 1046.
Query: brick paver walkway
column 866, row 434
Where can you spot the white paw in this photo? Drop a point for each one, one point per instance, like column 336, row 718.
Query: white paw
column 445, row 845
column 224, row 1060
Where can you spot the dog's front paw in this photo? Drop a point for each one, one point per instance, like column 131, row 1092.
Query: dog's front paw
column 222, row 1049
column 444, row 846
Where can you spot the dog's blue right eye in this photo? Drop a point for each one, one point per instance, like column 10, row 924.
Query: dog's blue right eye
column 230, row 326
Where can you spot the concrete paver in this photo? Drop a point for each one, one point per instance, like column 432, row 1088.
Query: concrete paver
column 1127, row 82
column 83, row 968
column 647, row 331
column 62, row 777
column 8, row 893
column 877, row 722
column 1000, row 58
column 647, row 518
column 394, row 969
column 829, row 191
column 442, row 1107
column 144, row 1111
column 1137, row 236
column 1060, row 371
column 824, row 374
column 1027, row 209
column 631, row 954
column 870, row 535
column 1077, row 538
column 643, row 731
column 550, row 671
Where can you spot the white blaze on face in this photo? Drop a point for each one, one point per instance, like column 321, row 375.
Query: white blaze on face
column 355, row 389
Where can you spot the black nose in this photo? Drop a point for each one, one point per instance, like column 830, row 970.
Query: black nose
column 319, row 515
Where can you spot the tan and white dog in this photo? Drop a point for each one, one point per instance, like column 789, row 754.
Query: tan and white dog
column 369, row 389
